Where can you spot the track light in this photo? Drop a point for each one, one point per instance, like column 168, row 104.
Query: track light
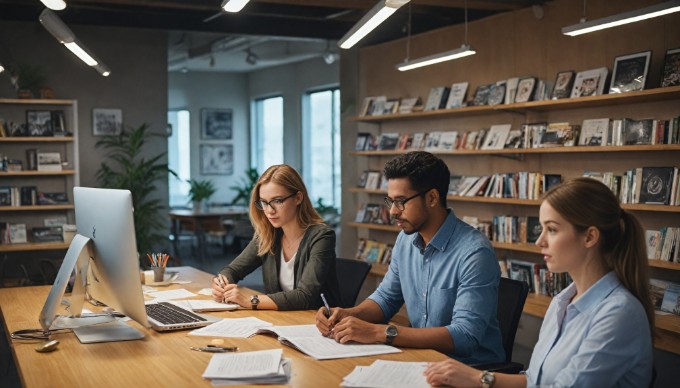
column 56, row 5
column 65, row 36
column 653, row 11
column 461, row 52
column 251, row 58
column 377, row 14
column 234, row 5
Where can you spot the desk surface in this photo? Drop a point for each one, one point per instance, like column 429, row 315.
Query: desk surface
column 160, row 359
column 215, row 212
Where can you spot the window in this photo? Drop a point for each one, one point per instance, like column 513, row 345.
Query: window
column 178, row 157
column 321, row 144
column 267, row 134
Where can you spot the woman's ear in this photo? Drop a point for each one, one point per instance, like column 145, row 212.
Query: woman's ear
column 592, row 236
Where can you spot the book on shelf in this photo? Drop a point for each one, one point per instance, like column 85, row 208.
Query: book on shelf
column 387, row 256
column 559, row 135
column 652, row 243
column 17, row 233
column 49, row 161
column 362, row 179
column 479, row 187
column 31, row 159
column 437, row 98
column 637, row 131
column 511, row 90
column 55, row 221
column 594, row 132
column 457, row 95
column 671, row 299
column 589, row 82
column 6, row 195
column 564, row 82
column 669, row 244
column 418, row 142
column 371, row 213
column 378, row 106
column 52, row 198
column 363, row 141
column 466, row 183
column 373, row 252
column 432, row 141
column 448, row 141
column 391, row 107
column 405, row 141
column 534, row 229
column 39, row 122
column 388, row 141
column 657, row 289
column 515, row 138
column 496, row 93
column 42, row 234
column 372, row 180
column 454, row 183
column 29, row 195
column 550, row 181
column 656, row 184
column 469, row 141
column 496, row 137
column 383, row 183
column 58, row 123
column 407, row 105
column 366, row 106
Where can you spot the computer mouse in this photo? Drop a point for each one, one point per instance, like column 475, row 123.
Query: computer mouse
column 46, row 346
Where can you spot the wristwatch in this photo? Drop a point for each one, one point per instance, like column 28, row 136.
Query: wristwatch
column 390, row 333
column 254, row 301
column 488, row 379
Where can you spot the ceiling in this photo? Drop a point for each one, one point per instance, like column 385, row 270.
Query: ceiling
column 270, row 32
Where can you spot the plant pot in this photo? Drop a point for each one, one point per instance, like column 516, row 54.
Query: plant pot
column 200, row 206
column 24, row 93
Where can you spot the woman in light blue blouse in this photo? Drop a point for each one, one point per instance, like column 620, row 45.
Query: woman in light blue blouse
column 598, row 331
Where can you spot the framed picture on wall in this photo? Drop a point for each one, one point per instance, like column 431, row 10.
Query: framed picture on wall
column 630, row 72
column 217, row 159
column 107, row 121
column 671, row 68
column 216, row 124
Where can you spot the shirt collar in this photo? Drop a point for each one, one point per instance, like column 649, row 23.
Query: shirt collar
column 595, row 294
column 443, row 235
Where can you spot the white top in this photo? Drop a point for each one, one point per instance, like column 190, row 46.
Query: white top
column 287, row 272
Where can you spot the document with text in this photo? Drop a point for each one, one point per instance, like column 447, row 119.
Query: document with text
column 308, row 339
column 232, row 327
column 388, row 374
column 259, row 367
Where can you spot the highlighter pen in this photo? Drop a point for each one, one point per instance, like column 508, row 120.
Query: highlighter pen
column 325, row 303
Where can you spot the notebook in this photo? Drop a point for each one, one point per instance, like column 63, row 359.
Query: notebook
column 166, row 316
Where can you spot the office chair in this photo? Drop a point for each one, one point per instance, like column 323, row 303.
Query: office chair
column 351, row 274
column 511, row 297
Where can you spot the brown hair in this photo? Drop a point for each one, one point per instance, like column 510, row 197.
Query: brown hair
column 586, row 202
column 286, row 176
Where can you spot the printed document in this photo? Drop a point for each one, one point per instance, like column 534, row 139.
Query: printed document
column 388, row 374
column 260, row 367
column 232, row 327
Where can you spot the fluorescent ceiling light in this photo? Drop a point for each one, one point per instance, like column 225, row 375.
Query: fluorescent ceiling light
column 56, row 5
column 461, row 52
column 234, row 5
column 381, row 11
column 2, row 68
column 65, row 36
column 623, row 18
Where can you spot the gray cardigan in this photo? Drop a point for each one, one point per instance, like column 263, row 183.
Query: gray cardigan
column 314, row 270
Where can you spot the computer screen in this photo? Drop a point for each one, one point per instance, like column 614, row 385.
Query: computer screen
column 104, row 255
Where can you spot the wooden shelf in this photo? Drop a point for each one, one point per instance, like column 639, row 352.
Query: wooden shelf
column 524, row 151
column 651, row 95
column 361, row 225
column 35, row 208
column 37, row 139
column 378, row 269
column 51, row 246
column 518, row 247
column 36, row 173
column 664, row 265
column 36, row 101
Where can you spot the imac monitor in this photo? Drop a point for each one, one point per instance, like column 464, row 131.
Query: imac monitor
column 104, row 256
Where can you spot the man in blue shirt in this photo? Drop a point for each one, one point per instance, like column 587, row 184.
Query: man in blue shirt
column 442, row 268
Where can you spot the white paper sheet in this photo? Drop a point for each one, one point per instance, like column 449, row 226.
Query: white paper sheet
column 388, row 374
column 244, row 365
column 171, row 294
column 232, row 328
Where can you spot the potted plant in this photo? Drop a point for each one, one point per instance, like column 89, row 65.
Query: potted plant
column 126, row 166
column 200, row 192
column 28, row 80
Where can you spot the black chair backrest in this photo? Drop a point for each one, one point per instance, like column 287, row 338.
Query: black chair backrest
column 511, row 297
column 351, row 274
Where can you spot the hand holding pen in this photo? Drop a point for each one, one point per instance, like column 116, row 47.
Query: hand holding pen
column 219, row 286
column 326, row 318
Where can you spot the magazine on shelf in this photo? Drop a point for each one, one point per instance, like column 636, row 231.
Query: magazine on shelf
column 482, row 95
column 511, row 90
column 457, row 95
column 656, row 185
column 590, row 82
column 496, row 137
column 437, row 98
column 407, row 105
column 594, row 132
column 448, row 141
column 388, row 141
column 637, row 131
column 559, row 135
column 378, row 106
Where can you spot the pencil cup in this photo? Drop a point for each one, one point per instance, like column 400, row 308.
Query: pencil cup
column 158, row 274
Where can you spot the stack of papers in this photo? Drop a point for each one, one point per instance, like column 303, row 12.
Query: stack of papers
column 308, row 339
column 387, row 374
column 204, row 305
column 232, row 328
column 261, row 367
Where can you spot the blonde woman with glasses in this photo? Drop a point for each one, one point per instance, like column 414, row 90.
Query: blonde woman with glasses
column 294, row 247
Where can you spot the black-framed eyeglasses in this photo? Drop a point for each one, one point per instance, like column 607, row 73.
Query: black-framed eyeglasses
column 399, row 203
column 275, row 203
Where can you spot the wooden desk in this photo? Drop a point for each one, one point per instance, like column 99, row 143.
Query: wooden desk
column 201, row 222
column 160, row 359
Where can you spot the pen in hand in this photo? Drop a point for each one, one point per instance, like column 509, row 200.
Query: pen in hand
column 325, row 303
column 223, row 282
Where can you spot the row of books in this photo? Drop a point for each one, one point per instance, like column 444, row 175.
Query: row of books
column 665, row 295
column 592, row 132
column 537, row 276
column 38, row 123
column 646, row 185
column 515, row 229
column 372, row 180
column 11, row 233
column 373, row 251
column 521, row 185
column 663, row 244
column 567, row 84
column 373, row 213
column 29, row 196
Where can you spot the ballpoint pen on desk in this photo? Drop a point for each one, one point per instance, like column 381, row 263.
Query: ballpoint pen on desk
column 214, row 349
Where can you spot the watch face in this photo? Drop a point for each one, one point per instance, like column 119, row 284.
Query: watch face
column 391, row 330
column 254, row 300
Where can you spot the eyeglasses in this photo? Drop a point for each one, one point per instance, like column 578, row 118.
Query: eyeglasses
column 399, row 203
column 275, row 203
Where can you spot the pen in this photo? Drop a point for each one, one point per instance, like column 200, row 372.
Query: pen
column 214, row 349
column 325, row 303
column 223, row 282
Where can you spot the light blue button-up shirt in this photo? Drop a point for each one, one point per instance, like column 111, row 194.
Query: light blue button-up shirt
column 453, row 282
column 600, row 340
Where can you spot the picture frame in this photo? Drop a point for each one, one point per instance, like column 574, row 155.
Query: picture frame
column 564, row 81
column 630, row 72
column 217, row 159
column 525, row 89
column 39, row 122
column 589, row 82
column 216, row 124
column 496, row 94
column 107, row 121
column 670, row 75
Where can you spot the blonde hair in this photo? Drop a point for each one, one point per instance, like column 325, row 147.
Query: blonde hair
column 286, row 176
column 586, row 202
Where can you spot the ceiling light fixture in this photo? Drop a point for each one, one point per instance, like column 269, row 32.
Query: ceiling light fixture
column 65, row 36
column 56, row 5
column 251, row 58
column 381, row 11
column 2, row 68
column 653, row 11
column 464, row 51
column 234, row 5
